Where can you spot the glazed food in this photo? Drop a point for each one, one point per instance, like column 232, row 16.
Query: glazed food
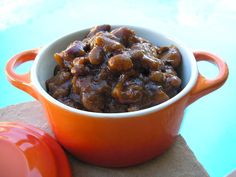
column 115, row 71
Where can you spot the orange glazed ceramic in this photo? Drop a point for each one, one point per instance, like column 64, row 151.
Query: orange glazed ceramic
column 26, row 151
column 116, row 139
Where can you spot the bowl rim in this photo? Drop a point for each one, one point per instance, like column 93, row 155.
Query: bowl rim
column 142, row 112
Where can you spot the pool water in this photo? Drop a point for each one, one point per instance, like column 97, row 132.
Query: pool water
column 209, row 123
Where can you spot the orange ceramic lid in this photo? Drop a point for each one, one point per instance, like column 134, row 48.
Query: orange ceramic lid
column 26, row 151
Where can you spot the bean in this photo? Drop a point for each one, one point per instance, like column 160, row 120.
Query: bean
column 160, row 97
column 96, row 55
column 58, row 58
column 151, row 62
column 156, row 76
column 80, row 60
column 175, row 81
column 108, row 44
column 136, row 54
column 120, row 62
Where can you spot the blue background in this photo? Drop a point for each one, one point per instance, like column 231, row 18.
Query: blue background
column 209, row 123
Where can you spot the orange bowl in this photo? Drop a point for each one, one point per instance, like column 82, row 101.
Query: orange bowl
column 116, row 139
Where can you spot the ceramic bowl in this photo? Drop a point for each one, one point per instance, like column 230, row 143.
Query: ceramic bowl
column 116, row 139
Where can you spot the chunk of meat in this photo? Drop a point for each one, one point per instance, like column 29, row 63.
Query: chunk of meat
column 172, row 80
column 59, row 85
column 172, row 56
column 80, row 70
column 93, row 101
column 79, row 66
column 125, row 35
column 128, row 91
column 97, row 29
column 76, row 49
column 66, row 57
column 94, row 96
column 147, row 49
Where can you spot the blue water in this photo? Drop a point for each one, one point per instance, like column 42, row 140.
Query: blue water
column 209, row 123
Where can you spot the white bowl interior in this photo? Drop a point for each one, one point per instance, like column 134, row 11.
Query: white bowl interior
column 44, row 64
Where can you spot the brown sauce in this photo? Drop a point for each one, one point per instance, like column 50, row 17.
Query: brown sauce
column 115, row 71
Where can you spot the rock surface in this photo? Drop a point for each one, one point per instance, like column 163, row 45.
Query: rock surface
column 178, row 161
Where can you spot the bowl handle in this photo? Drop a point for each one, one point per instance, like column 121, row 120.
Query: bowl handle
column 204, row 86
column 21, row 81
